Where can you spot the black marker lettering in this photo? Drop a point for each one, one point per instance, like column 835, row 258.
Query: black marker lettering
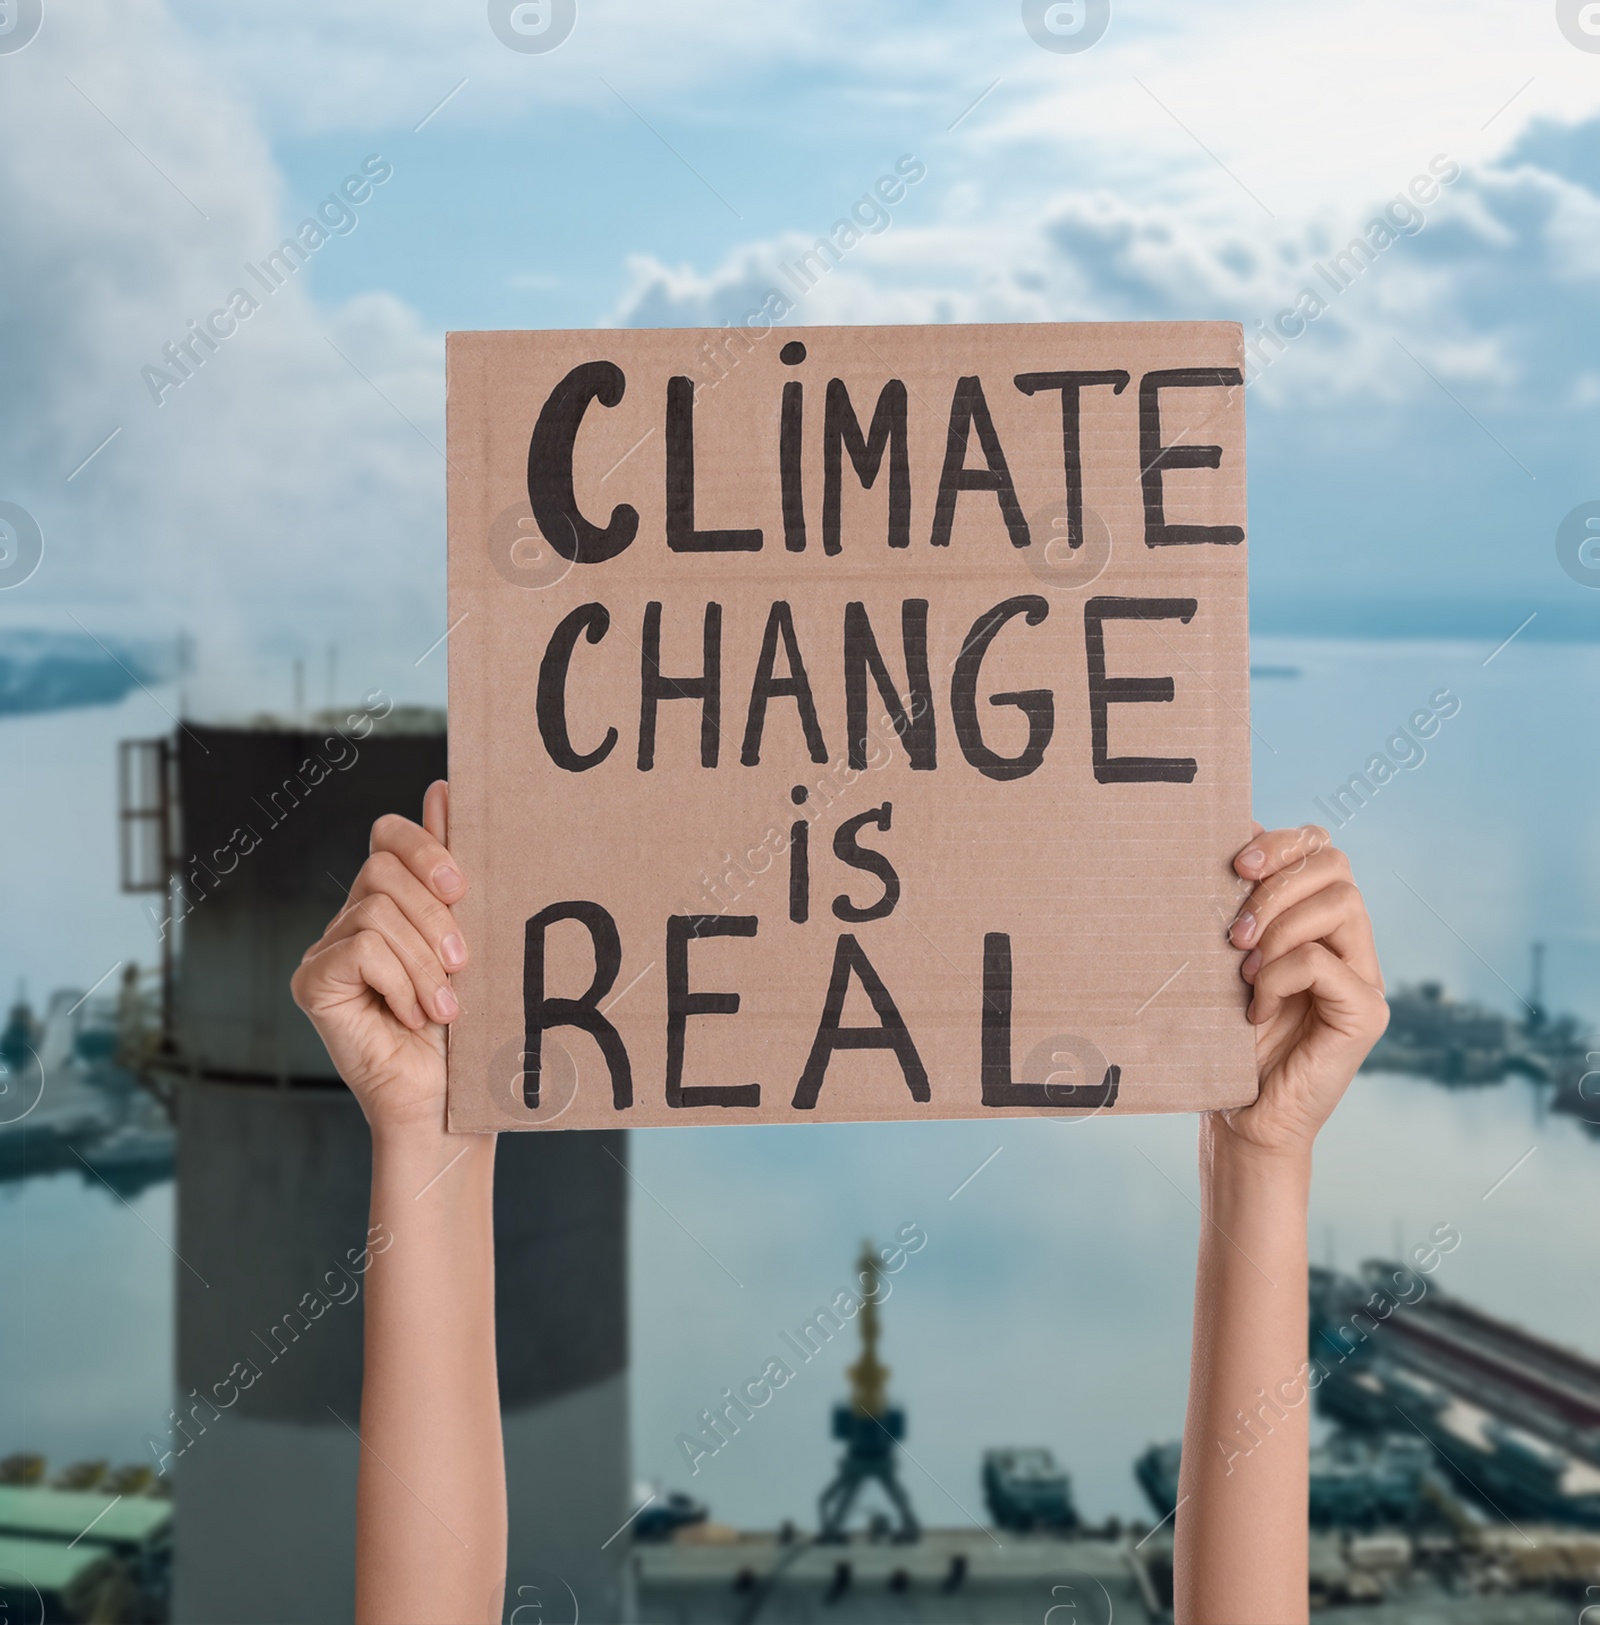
column 1105, row 692
column 1070, row 384
column 592, row 622
column 969, row 411
column 912, row 720
column 796, row 686
column 847, row 849
column 681, row 1004
column 799, row 861
column 682, row 537
column 1154, row 457
column 841, row 431
column 654, row 687
column 890, row 1034
column 790, row 447
column 799, row 871
column 540, row 1011
column 999, row 1089
column 550, row 494
column 1036, row 704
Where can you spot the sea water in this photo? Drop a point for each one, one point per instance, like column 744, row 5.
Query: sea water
column 1051, row 1302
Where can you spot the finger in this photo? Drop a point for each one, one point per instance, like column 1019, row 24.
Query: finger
column 436, row 811
column 379, row 912
column 1342, row 999
column 333, row 974
column 1329, row 869
column 1273, row 850
column 1280, row 891
column 1332, row 915
column 1286, row 887
column 422, row 852
column 383, row 874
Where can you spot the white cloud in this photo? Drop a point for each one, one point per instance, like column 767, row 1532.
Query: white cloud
column 1305, row 104
column 289, row 494
column 327, row 65
column 277, row 490
column 1454, row 290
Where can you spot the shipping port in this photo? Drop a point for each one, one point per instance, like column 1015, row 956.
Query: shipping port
column 1405, row 1525
column 1456, row 1476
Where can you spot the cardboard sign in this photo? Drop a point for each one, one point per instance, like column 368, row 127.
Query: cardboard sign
column 848, row 723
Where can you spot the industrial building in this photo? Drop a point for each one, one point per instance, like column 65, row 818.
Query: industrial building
column 246, row 839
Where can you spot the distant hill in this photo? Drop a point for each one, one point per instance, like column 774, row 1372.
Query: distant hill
column 59, row 671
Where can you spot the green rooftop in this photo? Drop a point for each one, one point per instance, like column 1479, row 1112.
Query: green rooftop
column 48, row 1565
column 66, row 1516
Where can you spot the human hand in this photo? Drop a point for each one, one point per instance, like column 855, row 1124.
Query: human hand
column 1318, row 1004
column 376, row 983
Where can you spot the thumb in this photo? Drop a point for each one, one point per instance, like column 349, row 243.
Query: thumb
column 436, row 811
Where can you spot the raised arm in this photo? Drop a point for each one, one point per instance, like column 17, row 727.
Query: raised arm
column 431, row 1500
column 1318, row 1007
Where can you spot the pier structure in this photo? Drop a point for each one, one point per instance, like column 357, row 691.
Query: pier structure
column 1513, row 1416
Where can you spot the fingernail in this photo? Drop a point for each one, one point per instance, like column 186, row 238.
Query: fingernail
column 444, row 1003
column 1252, row 963
column 446, row 879
column 454, row 950
column 1251, row 858
column 1243, row 930
column 1250, row 1012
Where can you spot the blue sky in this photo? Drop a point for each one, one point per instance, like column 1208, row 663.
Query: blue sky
column 1411, row 453
column 1411, row 456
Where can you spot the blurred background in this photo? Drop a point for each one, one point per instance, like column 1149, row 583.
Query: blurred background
column 221, row 555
